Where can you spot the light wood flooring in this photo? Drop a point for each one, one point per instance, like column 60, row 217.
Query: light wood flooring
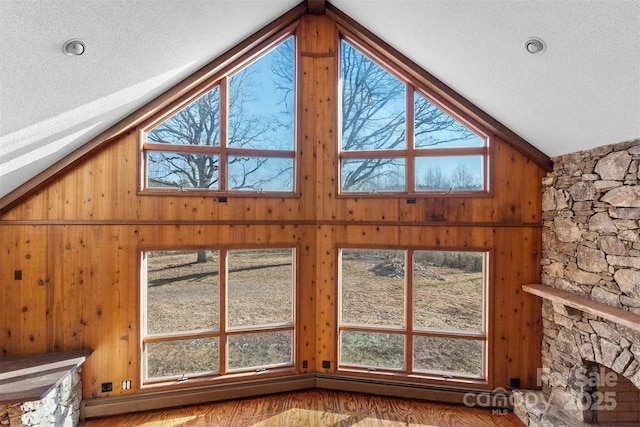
column 315, row 408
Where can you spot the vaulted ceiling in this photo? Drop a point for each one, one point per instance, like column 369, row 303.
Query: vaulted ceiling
column 582, row 92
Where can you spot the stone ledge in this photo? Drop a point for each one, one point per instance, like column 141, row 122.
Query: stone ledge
column 32, row 377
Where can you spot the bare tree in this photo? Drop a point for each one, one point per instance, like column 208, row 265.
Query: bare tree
column 373, row 118
column 250, row 125
column 462, row 178
column 197, row 124
column 434, row 179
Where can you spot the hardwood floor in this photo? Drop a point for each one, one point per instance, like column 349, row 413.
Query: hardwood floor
column 314, row 408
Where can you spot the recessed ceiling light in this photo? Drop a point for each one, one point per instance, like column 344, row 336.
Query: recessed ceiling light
column 535, row 46
column 74, row 47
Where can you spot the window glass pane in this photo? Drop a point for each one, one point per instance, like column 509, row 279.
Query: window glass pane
column 182, row 291
column 370, row 175
column 261, row 110
column 373, row 104
column 260, row 287
column 448, row 355
column 436, row 129
column 372, row 349
column 182, row 357
column 455, row 173
column 372, row 287
column 196, row 124
column 260, row 349
column 260, row 174
column 448, row 290
column 182, row 170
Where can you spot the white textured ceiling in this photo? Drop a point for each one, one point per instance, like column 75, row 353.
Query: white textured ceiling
column 582, row 92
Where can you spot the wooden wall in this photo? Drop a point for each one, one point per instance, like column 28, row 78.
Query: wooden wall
column 76, row 242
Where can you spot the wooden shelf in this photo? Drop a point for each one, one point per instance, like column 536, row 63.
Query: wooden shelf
column 31, row 377
column 605, row 311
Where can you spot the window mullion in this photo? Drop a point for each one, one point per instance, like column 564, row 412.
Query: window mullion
column 254, row 152
column 223, row 167
column 373, row 154
column 222, row 291
column 408, row 289
column 446, row 152
column 144, row 294
column 174, row 336
column 410, row 163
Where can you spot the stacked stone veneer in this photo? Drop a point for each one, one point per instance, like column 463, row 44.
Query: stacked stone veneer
column 591, row 248
column 59, row 408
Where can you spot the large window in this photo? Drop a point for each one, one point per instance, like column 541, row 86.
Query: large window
column 236, row 137
column 213, row 312
column 413, row 312
column 395, row 139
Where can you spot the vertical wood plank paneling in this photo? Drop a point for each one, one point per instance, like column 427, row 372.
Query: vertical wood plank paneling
column 318, row 70
column 77, row 241
column 517, row 325
column 326, row 310
column 32, row 291
column 307, row 278
column 60, row 284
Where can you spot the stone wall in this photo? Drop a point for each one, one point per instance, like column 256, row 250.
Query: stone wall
column 59, row 408
column 591, row 248
column 591, row 214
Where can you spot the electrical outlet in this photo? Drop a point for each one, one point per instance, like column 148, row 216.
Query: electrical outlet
column 326, row 364
column 107, row 387
column 305, row 364
column 126, row 384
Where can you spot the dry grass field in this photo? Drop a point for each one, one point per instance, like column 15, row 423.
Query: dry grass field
column 183, row 296
column 444, row 299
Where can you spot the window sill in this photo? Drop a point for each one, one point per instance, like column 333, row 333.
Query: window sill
column 218, row 195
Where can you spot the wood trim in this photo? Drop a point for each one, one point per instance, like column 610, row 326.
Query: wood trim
column 103, row 407
column 204, row 149
column 605, row 311
column 438, row 88
column 279, row 222
column 152, row 108
column 191, row 83
column 316, row 7
column 109, row 406
column 414, row 391
column 411, row 153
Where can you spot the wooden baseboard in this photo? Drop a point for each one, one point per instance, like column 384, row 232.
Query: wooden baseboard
column 108, row 406
column 414, row 391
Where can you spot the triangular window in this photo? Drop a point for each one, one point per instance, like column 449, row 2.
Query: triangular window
column 238, row 136
column 395, row 139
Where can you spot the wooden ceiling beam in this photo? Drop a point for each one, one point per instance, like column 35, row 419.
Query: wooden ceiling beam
column 316, row 7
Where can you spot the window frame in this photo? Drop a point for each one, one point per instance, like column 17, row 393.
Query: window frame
column 223, row 151
column 410, row 153
column 409, row 331
column 224, row 329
